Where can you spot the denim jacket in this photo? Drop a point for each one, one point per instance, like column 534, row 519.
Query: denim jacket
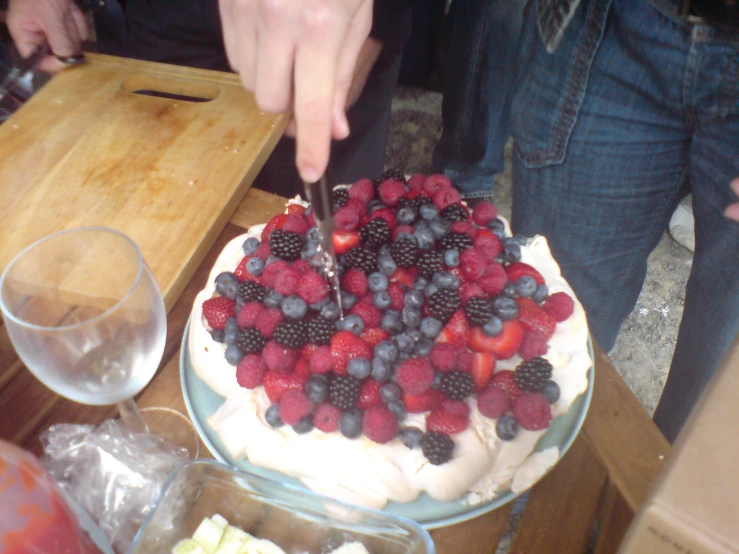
column 553, row 17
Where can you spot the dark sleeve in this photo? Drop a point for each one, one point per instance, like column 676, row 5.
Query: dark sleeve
column 391, row 23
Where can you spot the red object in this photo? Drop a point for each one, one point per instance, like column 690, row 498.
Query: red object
column 327, row 417
column 483, row 367
column 559, row 305
column 464, row 227
column 346, row 346
column 473, row 264
column 397, row 294
column 277, row 383
column 503, row 346
column 344, row 241
column 446, row 197
column 468, row 290
column 414, row 376
column 532, row 345
column 346, row 219
column 374, row 336
column 321, row 360
column 295, row 209
column 484, row 212
column 217, row 311
column 279, row 358
column 270, row 273
column 534, row 319
column 286, row 282
column 391, row 191
column 435, row 182
column 419, row 403
column 487, row 243
column 369, row 314
column 493, row 402
column 312, row 288
column 457, row 330
column 532, row 411
column 277, row 222
column 363, row 190
column 443, row 356
column 369, row 394
column 249, row 314
column 355, row 282
column 268, row 321
column 387, row 214
column 516, row 270
column 493, row 279
column 294, row 406
column 416, row 182
column 250, row 371
column 297, row 223
column 504, row 380
column 456, row 407
column 379, row 424
column 446, row 423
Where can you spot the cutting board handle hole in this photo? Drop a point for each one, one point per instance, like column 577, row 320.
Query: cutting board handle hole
column 171, row 89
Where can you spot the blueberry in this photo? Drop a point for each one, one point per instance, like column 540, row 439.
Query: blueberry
column 509, row 290
column 542, row 291
column 505, row 308
column 239, row 304
column 377, row 282
column 420, row 284
column 436, row 383
column 316, row 388
column 414, row 299
column 381, row 300
column 391, row 322
column 440, row 227
column 231, row 326
column 272, row 415
column 428, row 211
column 525, row 286
column 397, row 407
column 431, row 327
column 294, row 307
column 551, row 391
column 359, row 368
column 330, row 311
column 250, row 246
column 406, row 235
column 233, row 354
column 451, row 257
column 381, row 370
column 350, row 423
column 373, row 205
column 406, row 216
column 513, row 252
column 415, row 334
column 425, row 238
column 411, row 436
column 387, row 351
column 313, row 234
column 520, row 239
column 318, row 306
column 411, row 317
column 506, row 428
column 347, row 300
column 405, row 343
column 271, row 259
column 390, row 392
column 230, row 337
column 423, row 347
column 227, row 284
column 403, row 356
column 352, row 323
column 493, row 327
column 386, row 264
column 272, row 298
column 431, row 288
column 255, row 266
column 446, row 280
column 497, row 227
column 218, row 335
column 305, row 425
column 309, row 250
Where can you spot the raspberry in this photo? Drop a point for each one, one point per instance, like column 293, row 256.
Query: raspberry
column 484, row 212
column 263, row 251
column 456, row 407
column 379, row 424
column 272, row 271
column 320, row 360
column 416, row 182
column 487, row 243
column 559, row 305
column 286, row 282
column 391, row 191
column 249, row 314
column 397, row 296
column 443, row 356
column 277, row 383
column 446, row 197
column 296, row 223
column 363, row 190
column 473, row 264
column 464, row 227
column 359, row 206
column 446, row 423
column 493, row 279
column 468, row 290
column 465, row 360
column 504, row 380
column 532, row 411
column 375, row 336
column 355, row 282
column 369, row 394
column 294, row 406
column 250, row 371
column 279, row 358
column 434, row 183
column 312, row 287
column 327, row 417
column 532, row 346
column 346, row 219
column 302, row 267
column 493, row 402
column 387, row 214
column 414, row 376
column 217, row 311
column 369, row 314
column 268, row 321
column 534, row 319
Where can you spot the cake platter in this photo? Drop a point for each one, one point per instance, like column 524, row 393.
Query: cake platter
column 202, row 402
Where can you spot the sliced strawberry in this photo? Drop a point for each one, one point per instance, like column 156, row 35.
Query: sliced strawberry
column 534, row 319
column 403, row 276
column 516, row 270
column 295, row 209
column 277, row 222
column 217, row 311
column 457, row 330
column 447, row 423
column 483, row 368
column 346, row 346
column 344, row 241
column 503, row 346
column 302, row 367
column 424, row 402
column 369, row 394
column 373, row 337
column 277, row 383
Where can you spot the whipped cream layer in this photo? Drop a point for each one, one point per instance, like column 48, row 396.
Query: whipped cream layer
column 370, row 474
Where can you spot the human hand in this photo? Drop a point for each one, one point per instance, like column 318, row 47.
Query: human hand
column 59, row 23
column 299, row 54
column 733, row 210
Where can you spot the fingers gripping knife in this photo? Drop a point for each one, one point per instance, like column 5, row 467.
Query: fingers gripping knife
column 321, row 198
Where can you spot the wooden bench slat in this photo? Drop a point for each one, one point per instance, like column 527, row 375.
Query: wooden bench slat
column 479, row 535
column 562, row 506
column 615, row 517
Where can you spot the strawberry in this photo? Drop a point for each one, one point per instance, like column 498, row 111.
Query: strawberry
column 516, row 270
column 295, row 209
column 346, row 346
column 447, row 423
column 483, row 368
column 241, row 273
column 344, row 241
column 503, row 346
column 534, row 319
column 277, row 383
column 277, row 222
column 373, row 337
column 559, row 305
column 302, row 367
column 217, row 311
column 403, row 276
column 424, row 402
column 504, row 380
column 369, row 394
column 457, row 330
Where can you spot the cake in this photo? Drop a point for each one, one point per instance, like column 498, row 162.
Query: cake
column 458, row 346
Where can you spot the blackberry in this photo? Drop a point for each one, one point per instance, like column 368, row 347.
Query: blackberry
column 341, row 196
column 361, row 258
column 443, row 303
column 251, row 341
column 291, row 334
column 404, row 252
column 455, row 212
column 343, row 391
column 532, row 375
column 249, row 291
column 437, row 448
column 478, row 311
column 429, row 263
column 458, row 241
column 393, row 173
column 457, row 385
column 415, row 202
column 286, row 245
column 375, row 233
column 320, row 330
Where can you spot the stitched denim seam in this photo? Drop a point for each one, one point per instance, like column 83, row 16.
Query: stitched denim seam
column 728, row 89
column 579, row 74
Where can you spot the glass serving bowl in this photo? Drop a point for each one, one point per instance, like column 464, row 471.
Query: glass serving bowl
column 297, row 520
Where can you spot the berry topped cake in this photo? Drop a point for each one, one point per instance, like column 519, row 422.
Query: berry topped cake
column 459, row 344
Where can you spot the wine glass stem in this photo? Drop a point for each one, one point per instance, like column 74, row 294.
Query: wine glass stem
column 131, row 416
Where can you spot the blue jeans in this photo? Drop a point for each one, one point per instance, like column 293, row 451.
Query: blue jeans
column 634, row 110
column 480, row 47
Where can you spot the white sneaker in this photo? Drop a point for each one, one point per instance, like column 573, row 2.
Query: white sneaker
column 682, row 224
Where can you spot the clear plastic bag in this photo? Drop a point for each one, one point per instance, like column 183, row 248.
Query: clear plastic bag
column 114, row 474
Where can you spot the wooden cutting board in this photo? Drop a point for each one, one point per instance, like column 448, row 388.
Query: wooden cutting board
column 90, row 149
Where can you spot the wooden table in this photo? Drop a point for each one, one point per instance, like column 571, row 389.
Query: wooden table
column 602, row 479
